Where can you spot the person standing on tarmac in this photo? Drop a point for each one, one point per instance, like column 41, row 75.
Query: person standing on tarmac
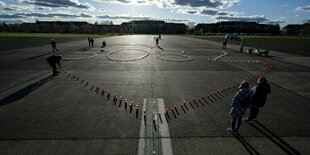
column 53, row 43
column 92, row 42
column 242, row 45
column 88, row 41
column 260, row 92
column 157, row 42
column 224, row 43
column 237, row 110
column 53, row 60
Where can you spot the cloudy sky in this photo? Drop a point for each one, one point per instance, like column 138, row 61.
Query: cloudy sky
column 199, row 11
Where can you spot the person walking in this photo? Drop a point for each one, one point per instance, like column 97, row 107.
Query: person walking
column 224, row 43
column 242, row 45
column 53, row 43
column 53, row 60
column 239, row 105
column 260, row 92
column 92, row 42
column 157, row 42
column 88, row 41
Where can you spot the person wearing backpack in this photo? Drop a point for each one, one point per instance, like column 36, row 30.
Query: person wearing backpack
column 260, row 92
column 238, row 106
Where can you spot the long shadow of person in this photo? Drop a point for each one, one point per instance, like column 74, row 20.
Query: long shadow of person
column 284, row 146
column 161, row 48
column 25, row 91
column 245, row 144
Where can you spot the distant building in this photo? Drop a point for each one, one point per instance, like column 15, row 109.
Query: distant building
column 153, row 27
column 297, row 29
column 239, row 27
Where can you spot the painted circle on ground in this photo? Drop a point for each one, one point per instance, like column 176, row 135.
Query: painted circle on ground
column 128, row 54
column 170, row 51
column 174, row 57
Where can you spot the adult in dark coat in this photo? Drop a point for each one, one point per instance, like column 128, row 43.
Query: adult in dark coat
column 225, row 43
column 157, row 41
column 89, row 41
column 53, row 60
column 92, row 42
column 53, row 43
column 259, row 98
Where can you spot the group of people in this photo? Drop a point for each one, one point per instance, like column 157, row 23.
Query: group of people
column 254, row 99
column 242, row 44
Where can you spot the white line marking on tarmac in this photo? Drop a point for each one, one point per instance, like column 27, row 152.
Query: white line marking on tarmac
column 142, row 133
column 164, row 130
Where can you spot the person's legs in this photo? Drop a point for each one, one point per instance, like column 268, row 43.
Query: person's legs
column 53, row 65
column 253, row 113
column 233, row 123
column 238, row 124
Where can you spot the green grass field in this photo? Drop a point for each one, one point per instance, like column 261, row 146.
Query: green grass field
column 5, row 35
column 65, row 35
column 222, row 36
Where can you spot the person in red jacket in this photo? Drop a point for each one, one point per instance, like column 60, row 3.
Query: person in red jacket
column 53, row 60
column 259, row 98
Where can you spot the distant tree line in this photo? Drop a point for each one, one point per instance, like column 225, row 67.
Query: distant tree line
column 238, row 27
column 156, row 27
column 61, row 27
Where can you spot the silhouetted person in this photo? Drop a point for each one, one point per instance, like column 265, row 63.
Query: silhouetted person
column 88, row 41
column 92, row 42
column 237, row 111
column 159, row 36
column 53, row 60
column 103, row 44
column 224, row 43
column 260, row 92
column 157, row 41
column 242, row 45
column 53, row 43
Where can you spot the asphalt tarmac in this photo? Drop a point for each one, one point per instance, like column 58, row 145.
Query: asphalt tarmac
column 42, row 114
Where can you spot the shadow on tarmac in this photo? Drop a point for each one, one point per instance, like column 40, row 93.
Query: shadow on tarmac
column 37, row 56
column 245, row 144
column 284, row 146
column 84, row 49
column 160, row 48
column 25, row 91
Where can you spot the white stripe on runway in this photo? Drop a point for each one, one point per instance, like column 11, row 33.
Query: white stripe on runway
column 164, row 130
column 142, row 133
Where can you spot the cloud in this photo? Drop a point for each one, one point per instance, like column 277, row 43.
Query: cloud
column 127, row 17
column 17, row 7
column 12, row 21
column 102, row 10
column 178, row 3
column 255, row 18
column 43, row 15
column 205, row 12
column 43, row 8
column 198, row 3
column 303, row 8
column 2, row 3
column 59, row 3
